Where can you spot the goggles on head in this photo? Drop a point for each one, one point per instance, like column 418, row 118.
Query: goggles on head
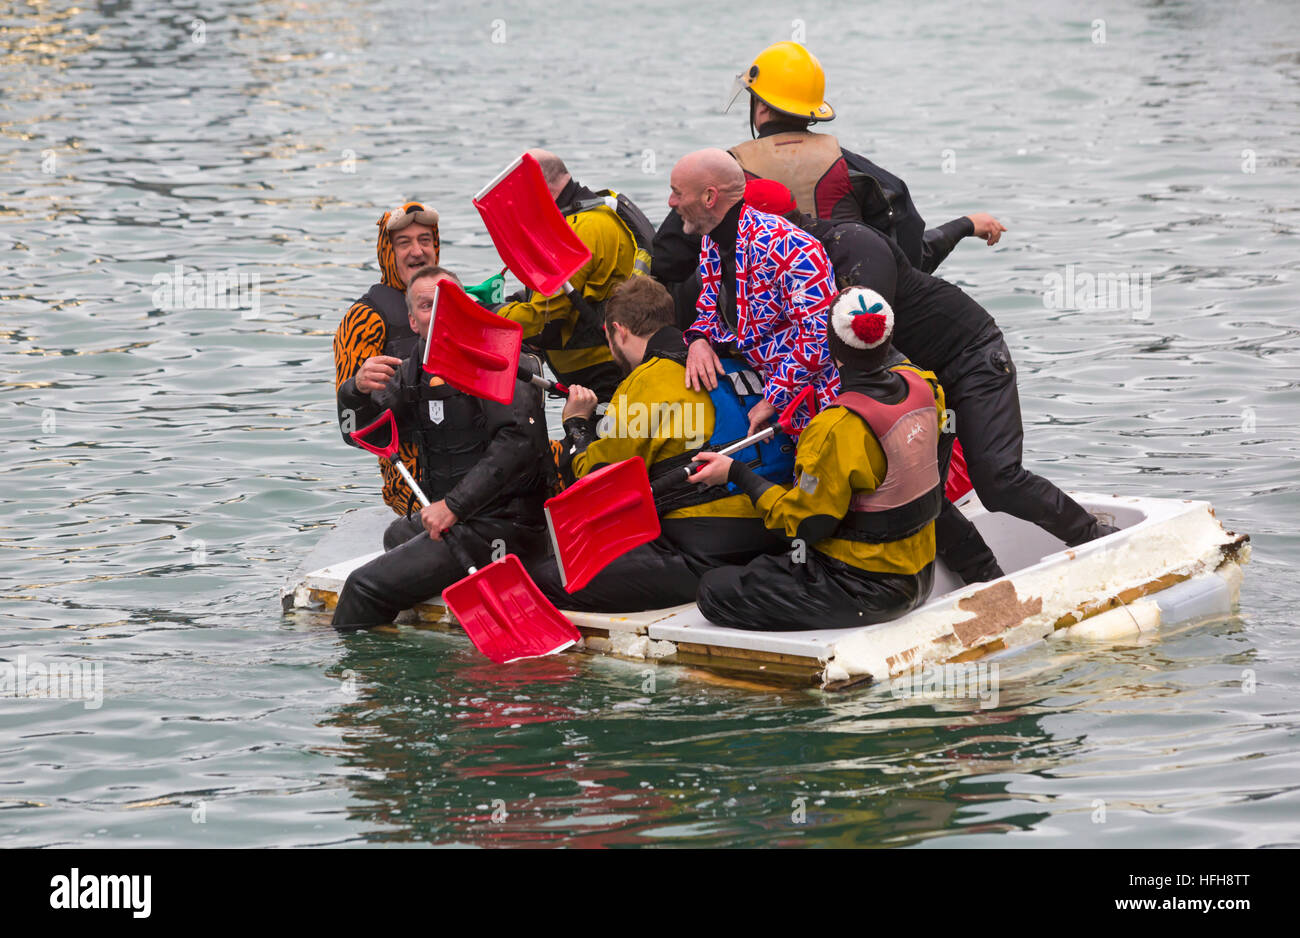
column 411, row 213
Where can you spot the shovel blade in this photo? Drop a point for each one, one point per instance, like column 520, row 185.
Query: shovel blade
column 959, row 482
column 600, row 517
column 529, row 232
column 471, row 349
column 505, row 614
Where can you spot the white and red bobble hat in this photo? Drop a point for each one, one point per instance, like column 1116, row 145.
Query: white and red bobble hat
column 859, row 329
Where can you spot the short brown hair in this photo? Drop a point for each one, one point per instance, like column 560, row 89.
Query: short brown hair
column 642, row 305
column 428, row 270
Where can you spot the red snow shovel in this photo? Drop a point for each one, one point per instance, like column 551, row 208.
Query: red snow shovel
column 958, row 475
column 500, row 608
column 601, row 516
column 504, row 612
column 471, row 349
column 530, row 233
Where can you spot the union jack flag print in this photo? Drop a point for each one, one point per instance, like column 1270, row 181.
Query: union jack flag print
column 784, row 288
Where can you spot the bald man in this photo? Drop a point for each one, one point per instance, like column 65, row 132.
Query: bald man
column 766, row 289
column 619, row 238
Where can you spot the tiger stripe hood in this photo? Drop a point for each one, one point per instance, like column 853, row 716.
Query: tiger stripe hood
column 388, row 256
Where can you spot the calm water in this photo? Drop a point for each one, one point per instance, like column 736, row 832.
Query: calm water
column 166, row 470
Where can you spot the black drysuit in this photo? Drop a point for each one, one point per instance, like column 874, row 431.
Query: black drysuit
column 488, row 461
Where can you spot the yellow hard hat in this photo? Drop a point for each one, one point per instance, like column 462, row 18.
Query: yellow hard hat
column 788, row 78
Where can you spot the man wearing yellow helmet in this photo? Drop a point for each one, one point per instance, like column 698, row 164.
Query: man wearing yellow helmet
column 786, row 85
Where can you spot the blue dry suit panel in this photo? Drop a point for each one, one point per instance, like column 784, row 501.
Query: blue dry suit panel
column 738, row 391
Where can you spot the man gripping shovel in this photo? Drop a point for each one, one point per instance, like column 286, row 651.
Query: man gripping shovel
column 482, row 464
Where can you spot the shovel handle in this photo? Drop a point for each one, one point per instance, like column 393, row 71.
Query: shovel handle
column 452, row 540
column 662, row 484
column 546, row 384
column 578, row 300
column 406, row 476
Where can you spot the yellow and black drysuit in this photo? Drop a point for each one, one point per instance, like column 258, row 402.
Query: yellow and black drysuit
column 378, row 324
column 571, row 338
column 489, row 462
column 862, row 520
column 655, row 417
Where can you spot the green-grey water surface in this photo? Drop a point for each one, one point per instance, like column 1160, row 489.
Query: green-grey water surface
column 166, row 469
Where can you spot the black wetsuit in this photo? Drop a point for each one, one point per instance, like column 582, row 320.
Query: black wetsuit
column 488, row 461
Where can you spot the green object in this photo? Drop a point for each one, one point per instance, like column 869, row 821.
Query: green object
column 490, row 291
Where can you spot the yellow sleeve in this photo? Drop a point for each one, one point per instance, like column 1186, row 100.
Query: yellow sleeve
column 827, row 471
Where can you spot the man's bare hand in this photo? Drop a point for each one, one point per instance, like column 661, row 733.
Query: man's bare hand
column 760, row 415
column 437, row 518
column 702, row 366
column 713, row 469
column 987, row 228
column 581, row 403
column 376, row 372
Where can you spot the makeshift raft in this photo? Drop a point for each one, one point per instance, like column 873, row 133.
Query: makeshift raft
column 1172, row 562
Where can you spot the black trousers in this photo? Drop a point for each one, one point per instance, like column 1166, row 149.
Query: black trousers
column 980, row 388
column 415, row 568
column 666, row 571
column 777, row 594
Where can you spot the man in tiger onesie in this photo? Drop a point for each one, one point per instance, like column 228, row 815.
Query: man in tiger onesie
column 375, row 334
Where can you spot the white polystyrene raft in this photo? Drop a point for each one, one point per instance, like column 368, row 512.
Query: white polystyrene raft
column 1173, row 551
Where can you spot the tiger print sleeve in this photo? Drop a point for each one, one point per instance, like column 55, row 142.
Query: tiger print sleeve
column 360, row 335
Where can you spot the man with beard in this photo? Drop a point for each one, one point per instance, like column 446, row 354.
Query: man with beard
column 786, row 87
column 655, row 417
column 766, row 288
column 375, row 334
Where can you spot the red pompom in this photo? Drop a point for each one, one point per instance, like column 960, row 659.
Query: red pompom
column 869, row 327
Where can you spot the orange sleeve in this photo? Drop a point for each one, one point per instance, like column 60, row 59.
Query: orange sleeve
column 360, row 335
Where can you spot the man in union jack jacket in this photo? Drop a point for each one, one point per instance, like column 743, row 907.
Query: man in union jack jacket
column 766, row 290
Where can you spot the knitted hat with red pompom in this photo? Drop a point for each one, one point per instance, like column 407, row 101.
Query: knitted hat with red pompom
column 859, row 329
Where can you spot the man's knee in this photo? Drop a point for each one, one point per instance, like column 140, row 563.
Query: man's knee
column 996, row 485
column 716, row 594
column 401, row 531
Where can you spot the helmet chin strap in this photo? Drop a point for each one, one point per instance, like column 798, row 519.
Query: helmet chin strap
column 753, row 108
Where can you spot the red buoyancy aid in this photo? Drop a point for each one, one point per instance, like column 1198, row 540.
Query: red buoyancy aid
column 909, row 497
